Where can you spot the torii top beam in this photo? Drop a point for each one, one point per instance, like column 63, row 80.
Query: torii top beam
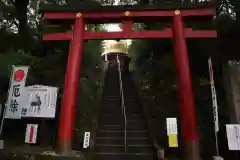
column 127, row 15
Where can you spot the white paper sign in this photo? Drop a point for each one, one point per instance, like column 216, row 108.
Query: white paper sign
column 39, row 101
column 172, row 126
column 17, row 84
column 233, row 136
column 86, row 140
column 31, row 133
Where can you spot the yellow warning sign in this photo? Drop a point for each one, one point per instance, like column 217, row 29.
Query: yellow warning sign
column 173, row 140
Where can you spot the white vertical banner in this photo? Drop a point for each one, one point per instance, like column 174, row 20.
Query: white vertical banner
column 31, row 133
column 86, row 140
column 16, row 89
column 233, row 136
column 172, row 126
column 214, row 96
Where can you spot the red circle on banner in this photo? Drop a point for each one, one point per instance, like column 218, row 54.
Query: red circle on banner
column 19, row 75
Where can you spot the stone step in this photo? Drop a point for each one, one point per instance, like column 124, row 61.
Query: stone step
column 136, row 115
column 117, row 112
column 111, row 133
column 128, row 107
column 121, row 116
column 111, row 109
column 130, row 124
column 125, row 156
column 113, row 103
column 121, row 127
column 129, row 96
column 115, row 148
column 112, row 99
column 121, row 120
column 112, row 95
column 121, row 140
column 114, row 125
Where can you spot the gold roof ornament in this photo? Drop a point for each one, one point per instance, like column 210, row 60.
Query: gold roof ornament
column 177, row 12
column 117, row 47
column 78, row 14
column 127, row 13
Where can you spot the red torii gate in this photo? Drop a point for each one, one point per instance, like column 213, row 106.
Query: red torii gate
column 127, row 17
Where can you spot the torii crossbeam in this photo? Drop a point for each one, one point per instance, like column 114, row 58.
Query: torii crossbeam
column 127, row 17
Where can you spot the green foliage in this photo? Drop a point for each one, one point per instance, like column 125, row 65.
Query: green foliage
column 152, row 62
column 21, row 44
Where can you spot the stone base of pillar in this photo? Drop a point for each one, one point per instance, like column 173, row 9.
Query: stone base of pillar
column 217, row 158
column 192, row 151
column 64, row 148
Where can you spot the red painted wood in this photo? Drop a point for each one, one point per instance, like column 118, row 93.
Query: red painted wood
column 167, row 33
column 31, row 134
column 150, row 14
column 127, row 26
column 185, row 93
column 70, row 88
column 128, row 35
column 211, row 11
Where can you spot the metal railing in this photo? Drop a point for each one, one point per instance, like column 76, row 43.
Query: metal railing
column 123, row 108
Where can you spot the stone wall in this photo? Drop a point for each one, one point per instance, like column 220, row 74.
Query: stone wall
column 232, row 87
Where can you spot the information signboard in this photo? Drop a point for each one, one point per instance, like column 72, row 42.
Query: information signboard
column 39, row 101
column 233, row 136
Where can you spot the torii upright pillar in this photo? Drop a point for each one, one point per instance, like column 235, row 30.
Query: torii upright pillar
column 185, row 93
column 71, row 87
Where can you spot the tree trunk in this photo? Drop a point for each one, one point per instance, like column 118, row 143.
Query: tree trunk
column 21, row 15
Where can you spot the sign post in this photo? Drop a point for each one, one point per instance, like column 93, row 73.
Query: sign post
column 214, row 101
column 86, row 140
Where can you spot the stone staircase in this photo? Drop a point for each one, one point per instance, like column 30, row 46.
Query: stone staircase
column 110, row 138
